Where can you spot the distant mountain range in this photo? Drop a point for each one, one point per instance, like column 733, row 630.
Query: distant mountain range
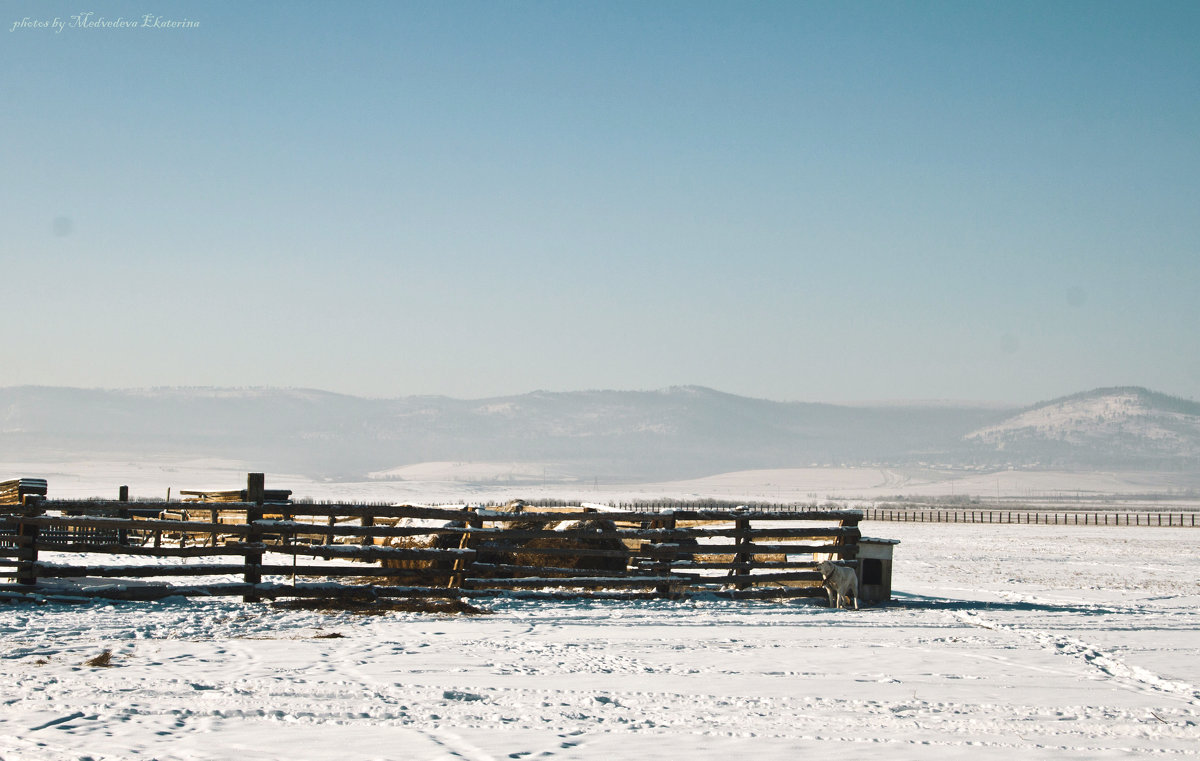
column 678, row 432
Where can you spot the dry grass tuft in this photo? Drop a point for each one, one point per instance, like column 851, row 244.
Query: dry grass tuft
column 103, row 660
column 329, row 635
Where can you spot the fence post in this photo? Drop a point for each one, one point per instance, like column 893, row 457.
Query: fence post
column 122, row 512
column 663, row 564
column 743, row 538
column 459, row 568
column 27, row 536
column 255, row 494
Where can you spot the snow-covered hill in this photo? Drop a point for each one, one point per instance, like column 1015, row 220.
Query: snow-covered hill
column 1110, row 424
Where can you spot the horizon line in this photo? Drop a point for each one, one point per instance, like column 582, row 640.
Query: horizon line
column 894, row 402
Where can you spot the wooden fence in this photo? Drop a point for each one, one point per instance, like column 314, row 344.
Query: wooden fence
column 284, row 549
column 1035, row 517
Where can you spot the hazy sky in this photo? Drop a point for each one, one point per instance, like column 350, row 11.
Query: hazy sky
column 810, row 201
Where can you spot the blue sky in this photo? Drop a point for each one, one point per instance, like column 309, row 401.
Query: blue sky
column 797, row 200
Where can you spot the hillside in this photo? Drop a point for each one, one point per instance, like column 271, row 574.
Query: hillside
column 1109, row 426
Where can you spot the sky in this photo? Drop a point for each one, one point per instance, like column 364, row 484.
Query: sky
column 810, row 201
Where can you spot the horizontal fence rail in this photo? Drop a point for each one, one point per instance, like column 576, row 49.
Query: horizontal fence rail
column 380, row 551
column 1032, row 517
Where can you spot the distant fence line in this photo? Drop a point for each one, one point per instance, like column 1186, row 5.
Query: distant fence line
column 920, row 513
column 1033, row 517
column 452, row 552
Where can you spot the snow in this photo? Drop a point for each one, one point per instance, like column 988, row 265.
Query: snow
column 1003, row 641
column 480, row 472
column 450, row 483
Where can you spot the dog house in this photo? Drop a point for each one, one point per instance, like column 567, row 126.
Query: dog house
column 875, row 569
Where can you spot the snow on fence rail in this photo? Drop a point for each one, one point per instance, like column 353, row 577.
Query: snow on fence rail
column 1037, row 517
column 411, row 551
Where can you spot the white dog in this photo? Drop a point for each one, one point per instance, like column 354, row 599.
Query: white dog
column 840, row 580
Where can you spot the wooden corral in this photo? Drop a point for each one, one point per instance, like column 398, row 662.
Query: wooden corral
column 285, row 549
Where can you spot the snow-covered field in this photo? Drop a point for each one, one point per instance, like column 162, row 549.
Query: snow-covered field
column 433, row 482
column 1003, row 641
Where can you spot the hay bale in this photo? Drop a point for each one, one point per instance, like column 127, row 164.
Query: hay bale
column 575, row 537
column 422, row 572
column 428, row 572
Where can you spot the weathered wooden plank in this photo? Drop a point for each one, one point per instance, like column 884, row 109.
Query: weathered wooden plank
column 110, row 507
column 300, row 528
column 270, row 496
column 661, row 534
column 54, row 570
column 581, row 581
column 751, row 548
column 58, row 571
column 168, row 552
column 528, row 570
column 753, row 578
column 686, row 565
column 331, row 590
column 103, row 515
column 583, row 552
column 334, row 571
column 767, row 593
column 359, row 552
column 347, row 552
column 815, row 532
column 358, row 510
column 679, row 515
column 150, row 592
column 138, row 524
column 269, row 527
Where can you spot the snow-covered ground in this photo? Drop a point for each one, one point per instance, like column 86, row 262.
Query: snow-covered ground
column 1003, row 641
column 434, row 482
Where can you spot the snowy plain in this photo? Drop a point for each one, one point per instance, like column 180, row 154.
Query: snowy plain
column 1002, row 641
column 454, row 482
